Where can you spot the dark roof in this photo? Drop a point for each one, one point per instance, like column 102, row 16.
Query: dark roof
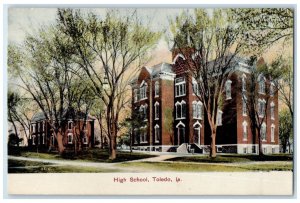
column 161, row 67
column 66, row 115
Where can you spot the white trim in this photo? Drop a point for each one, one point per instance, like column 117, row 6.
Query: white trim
column 176, row 57
column 197, row 123
column 142, row 83
column 180, row 124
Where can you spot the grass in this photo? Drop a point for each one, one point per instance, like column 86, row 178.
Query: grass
column 183, row 167
column 92, row 155
column 38, row 167
column 234, row 158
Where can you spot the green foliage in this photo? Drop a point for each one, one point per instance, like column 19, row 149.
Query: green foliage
column 263, row 27
column 285, row 128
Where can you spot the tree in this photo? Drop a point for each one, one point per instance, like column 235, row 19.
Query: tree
column 108, row 49
column 45, row 66
column 261, row 86
column 285, row 129
column 262, row 27
column 213, row 43
column 19, row 111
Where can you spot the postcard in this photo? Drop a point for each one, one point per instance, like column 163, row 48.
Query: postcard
column 150, row 101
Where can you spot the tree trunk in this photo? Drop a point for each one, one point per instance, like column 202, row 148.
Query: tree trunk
column 213, row 152
column 59, row 138
column 284, row 144
column 113, row 148
column 261, row 153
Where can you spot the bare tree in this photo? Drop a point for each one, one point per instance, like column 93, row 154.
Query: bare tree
column 108, row 49
column 209, row 44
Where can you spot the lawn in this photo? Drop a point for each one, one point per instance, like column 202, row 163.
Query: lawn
column 233, row 158
column 16, row 166
column 193, row 167
column 91, row 155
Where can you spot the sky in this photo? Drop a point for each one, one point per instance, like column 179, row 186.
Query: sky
column 23, row 21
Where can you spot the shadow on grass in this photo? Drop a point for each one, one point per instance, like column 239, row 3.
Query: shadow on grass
column 92, row 155
column 234, row 158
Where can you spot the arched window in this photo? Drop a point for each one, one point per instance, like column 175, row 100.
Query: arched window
column 263, row 132
column 180, row 109
column 156, row 90
column 244, row 106
column 143, row 90
column 70, row 138
column 85, row 139
column 33, row 139
column 196, row 88
column 197, row 110
column 219, row 117
column 261, row 107
column 272, row 109
column 262, row 85
column 177, row 57
column 272, row 133
column 43, row 138
column 245, row 131
column 70, row 125
column 228, row 89
column 156, row 133
column 156, row 110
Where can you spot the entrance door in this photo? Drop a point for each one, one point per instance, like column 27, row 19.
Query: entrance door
column 181, row 135
column 197, row 135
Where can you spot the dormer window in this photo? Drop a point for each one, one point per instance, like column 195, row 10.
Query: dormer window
column 228, row 89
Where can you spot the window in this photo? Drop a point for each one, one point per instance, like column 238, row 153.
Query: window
column 244, row 106
column 180, row 110
column 261, row 83
column 245, row 131
column 272, row 89
column 43, row 126
column 135, row 92
column 33, row 128
column 261, row 108
column 228, row 89
column 143, row 90
column 37, row 127
column 219, row 118
column 156, row 110
column 272, row 108
column 53, row 140
column 180, row 87
column 33, row 139
column 143, row 135
column 156, row 133
column 245, row 150
column 197, row 110
column 43, row 138
column 156, row 90
column 85, row 139
column 39, row 139
column 135, row 135
column 244, row 88
column 263, row 130
column 70, row 138
column 196, row 88
column 272, row 133
column 70, row 125
column 143, row 112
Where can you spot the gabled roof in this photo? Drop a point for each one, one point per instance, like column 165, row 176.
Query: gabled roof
column 160, row 68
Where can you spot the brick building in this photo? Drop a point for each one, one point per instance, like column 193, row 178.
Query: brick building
column 42, row 137
column 175, row 119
